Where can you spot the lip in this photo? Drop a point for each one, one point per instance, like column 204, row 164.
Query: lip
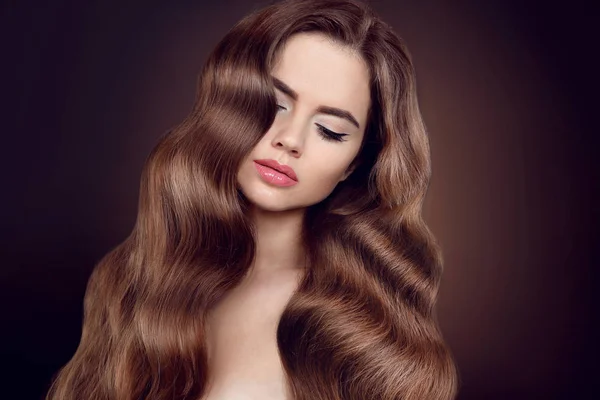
column 273, row 177
column 284, row 169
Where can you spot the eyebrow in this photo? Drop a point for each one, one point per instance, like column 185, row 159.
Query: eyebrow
column 337, row 112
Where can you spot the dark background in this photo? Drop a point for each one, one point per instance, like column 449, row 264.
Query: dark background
column 506, row 89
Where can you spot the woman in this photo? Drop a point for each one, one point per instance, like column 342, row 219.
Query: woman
column 279, row 250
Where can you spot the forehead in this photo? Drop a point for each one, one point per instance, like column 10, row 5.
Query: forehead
column 325, row 73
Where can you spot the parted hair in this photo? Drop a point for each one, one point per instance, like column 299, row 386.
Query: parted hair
column 362, row 322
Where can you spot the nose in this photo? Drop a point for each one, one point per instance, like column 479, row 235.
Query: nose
column 290, row 139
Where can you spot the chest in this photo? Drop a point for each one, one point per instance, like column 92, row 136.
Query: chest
column 243, row 357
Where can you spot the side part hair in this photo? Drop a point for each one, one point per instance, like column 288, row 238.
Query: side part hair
column 362, row 323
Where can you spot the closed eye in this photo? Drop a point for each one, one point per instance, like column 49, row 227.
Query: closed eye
column 327, row 134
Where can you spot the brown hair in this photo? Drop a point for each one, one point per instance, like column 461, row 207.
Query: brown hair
column 361, row 324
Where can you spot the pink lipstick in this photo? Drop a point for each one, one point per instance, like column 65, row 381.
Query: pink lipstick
column 276, row 174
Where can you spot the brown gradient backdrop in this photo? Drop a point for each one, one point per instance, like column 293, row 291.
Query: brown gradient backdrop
column 90, row 88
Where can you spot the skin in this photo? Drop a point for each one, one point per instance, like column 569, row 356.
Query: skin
column 241, row 330
column 324, row 73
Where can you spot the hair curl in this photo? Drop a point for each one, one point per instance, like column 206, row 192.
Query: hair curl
column 361, row 324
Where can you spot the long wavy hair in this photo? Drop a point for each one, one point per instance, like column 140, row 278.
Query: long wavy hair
column 362, row 322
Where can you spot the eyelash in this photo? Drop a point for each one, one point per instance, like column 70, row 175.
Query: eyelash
column 325, row 133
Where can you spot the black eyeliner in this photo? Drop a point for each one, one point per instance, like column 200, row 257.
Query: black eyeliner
column 331, row 135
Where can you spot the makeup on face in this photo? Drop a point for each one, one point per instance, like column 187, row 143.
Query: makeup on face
column 274, row 173
column 327, row 132
column 321, row 110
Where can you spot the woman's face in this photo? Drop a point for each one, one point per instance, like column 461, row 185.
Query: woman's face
column 323, row 99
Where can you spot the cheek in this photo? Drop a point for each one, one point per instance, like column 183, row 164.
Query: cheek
column 321, row 180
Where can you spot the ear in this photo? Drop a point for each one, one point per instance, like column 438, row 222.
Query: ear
column 348, row 172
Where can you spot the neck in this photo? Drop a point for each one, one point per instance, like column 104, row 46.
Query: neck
column 278, row 240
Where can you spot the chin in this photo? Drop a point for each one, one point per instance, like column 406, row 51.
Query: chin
column 272, row 209
column 263, row 199
column 275, row 199
column 272, row 204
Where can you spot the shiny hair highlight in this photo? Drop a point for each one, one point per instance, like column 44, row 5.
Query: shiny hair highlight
column 361, row 324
